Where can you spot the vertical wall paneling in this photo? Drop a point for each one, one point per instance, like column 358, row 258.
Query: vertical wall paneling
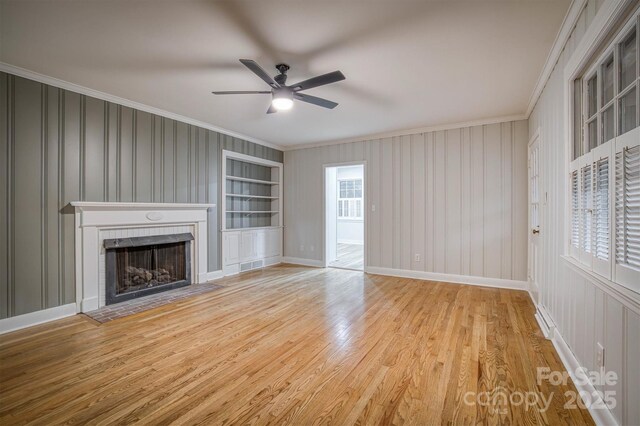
column 519, row 200
column 405, row 208
column 465, row 202
column 144, row 161
column 418, row 195
column 113, row 153
column 167, row 160
column 156, row 150
column 477, row 201
column 446, row 196
column 440, row 201
column 57, row 146
column 386, row 204
column 181, row 152
column 492, row 217
column 430, row 160
column 506, row 147
column 453, row 205
column 52, row 183
column 5, row 181
column 396, row 199
column 26, row 194
column 93, row 149
column 126, row 153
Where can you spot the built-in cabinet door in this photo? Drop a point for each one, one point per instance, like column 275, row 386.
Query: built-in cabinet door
column 261, row 243
column 247, row 246
column 272, row 242
column 232, row 248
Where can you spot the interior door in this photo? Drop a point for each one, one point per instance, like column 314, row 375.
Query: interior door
column 534, row 216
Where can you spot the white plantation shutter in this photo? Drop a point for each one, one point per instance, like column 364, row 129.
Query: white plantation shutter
column 575, row 210
column 585, row 207
column 627, row 208
column 601, row 210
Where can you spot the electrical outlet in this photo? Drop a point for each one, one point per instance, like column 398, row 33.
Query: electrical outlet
column 600, row 355
column 417, row 257
column 301, row 247
column 312, row 248
column 373, row 207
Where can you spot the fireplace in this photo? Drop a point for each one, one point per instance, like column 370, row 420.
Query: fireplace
column 139, row 266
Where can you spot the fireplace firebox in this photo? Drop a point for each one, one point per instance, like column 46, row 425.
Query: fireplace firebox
column 139, row 266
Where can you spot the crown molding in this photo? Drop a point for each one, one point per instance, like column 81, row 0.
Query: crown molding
column 397, row 133
column 62, row 84
column 568, row 24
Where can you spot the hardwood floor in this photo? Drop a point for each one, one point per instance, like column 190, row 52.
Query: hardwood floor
column 350, row 256
column 290, row 345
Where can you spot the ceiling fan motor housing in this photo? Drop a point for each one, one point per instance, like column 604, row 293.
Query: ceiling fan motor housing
column 281, row 78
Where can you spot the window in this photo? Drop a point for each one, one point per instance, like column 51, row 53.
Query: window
column 604, row 179
column 350, row 199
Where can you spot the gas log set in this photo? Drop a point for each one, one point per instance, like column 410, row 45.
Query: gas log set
column 137, row 278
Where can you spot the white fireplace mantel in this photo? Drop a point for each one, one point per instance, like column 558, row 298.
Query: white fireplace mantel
column 94, row 218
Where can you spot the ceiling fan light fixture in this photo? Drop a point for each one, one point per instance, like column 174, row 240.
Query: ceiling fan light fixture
column 282, row 100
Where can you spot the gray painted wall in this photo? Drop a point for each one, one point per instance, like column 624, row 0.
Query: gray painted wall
column 457, row 198
column 58, row 146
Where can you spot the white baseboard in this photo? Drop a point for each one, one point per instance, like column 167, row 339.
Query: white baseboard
column 271, row 261
column 449, row 278
column 601, row 416
column 35, row 318
column 547, row 330
column 303, row 262
column 210, row 276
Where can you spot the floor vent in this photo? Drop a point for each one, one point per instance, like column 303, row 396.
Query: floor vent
column 247, row 266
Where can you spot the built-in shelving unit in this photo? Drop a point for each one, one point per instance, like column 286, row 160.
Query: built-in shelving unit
column 251, row 212
column 251, row 193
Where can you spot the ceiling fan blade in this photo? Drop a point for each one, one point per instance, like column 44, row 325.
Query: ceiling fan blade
column 315, row 100
column 320, row 80
column 242, row 92
column 271, row 110
column 257, row 70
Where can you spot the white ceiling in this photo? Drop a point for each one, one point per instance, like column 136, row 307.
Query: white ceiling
column 408, row 63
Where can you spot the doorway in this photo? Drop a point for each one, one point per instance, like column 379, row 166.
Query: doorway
column 345, row 216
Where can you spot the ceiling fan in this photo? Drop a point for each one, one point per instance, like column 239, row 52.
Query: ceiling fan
column 283, row 95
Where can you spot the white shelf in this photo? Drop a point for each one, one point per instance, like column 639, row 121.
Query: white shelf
column 251, row 228
column 242, row 179
column 266, row 197
column 253, row 211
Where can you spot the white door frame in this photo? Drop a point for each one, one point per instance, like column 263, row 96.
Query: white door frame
column 365, row 208
column 534, row 284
